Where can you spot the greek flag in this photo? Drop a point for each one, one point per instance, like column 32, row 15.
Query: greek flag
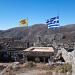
column 53, row 22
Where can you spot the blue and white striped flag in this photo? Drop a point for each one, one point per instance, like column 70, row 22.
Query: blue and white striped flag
column 53, row 22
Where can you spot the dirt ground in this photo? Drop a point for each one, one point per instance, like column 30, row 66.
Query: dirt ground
column 31, row 68
column 34, row 72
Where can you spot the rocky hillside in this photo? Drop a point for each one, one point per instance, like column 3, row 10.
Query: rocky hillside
column 40, row 33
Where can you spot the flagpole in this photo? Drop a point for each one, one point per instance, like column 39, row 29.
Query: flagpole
column 59, row 31
column 28, row 32
column 27, row 22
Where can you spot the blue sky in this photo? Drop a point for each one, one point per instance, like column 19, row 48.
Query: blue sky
column 37, row 11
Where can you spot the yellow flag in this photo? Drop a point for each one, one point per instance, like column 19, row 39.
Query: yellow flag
column 24, row 22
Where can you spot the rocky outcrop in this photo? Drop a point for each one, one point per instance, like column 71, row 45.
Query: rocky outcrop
column 68, row 56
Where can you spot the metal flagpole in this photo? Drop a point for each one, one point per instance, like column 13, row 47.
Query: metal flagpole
column 28, row 32
column 59, row 29
column 27, row 22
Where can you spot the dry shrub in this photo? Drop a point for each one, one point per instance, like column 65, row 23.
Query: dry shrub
column 64, row 68
column 30, row 64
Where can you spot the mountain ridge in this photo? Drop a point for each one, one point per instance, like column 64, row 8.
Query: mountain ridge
column 33, row 33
